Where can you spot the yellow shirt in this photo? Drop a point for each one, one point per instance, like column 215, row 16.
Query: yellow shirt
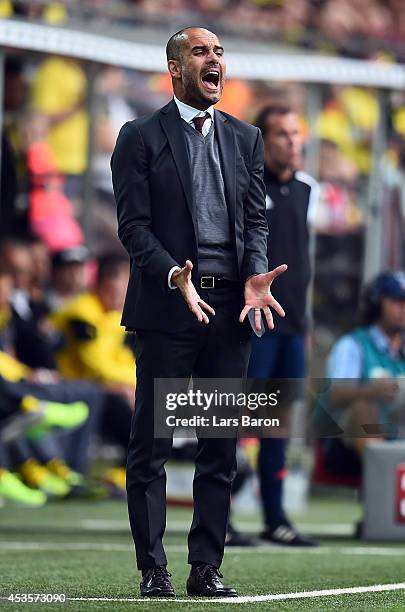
column 332, row 124
column 399, row 121
column 349, row 123
column 58, row 86
column 54, row 13
column 6, row 9
column 94, row 342
column 11, row 369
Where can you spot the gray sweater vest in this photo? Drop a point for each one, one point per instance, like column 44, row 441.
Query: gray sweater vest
column 216, row 251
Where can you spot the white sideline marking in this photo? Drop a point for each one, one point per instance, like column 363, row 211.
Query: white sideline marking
column 96, row 524
column 17, row 546
column 89, row 524
column 332, row 529
column 376, row 588
column 50, row 546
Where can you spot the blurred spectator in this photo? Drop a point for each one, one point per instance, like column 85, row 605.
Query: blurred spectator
column 291, row 202
column 370, row 360
column 28, row 306
column 54, row 13
column 8, row 189
column 58, row 92
column 111, row 112
column 68, row 276
column 17, row 378
column 356, row 27
column 41, row 267
column 109, row 415
column 97, row 348
column 51, row 213
column 348, row 119
column 95, row 343
column 338, row 211
column 13, row 219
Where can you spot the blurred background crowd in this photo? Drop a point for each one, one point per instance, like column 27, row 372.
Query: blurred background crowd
column 358, row 28
column 63, row 271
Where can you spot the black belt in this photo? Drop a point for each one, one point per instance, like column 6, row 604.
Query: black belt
column 212, row 281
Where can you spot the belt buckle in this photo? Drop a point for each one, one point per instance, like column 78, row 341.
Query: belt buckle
column 207, row 282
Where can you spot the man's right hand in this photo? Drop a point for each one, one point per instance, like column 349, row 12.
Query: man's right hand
column 182, row 279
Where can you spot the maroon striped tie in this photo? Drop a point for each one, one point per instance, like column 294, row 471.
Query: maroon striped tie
column 199, row 122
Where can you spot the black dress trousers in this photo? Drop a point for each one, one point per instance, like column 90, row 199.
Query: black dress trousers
column 220, row 349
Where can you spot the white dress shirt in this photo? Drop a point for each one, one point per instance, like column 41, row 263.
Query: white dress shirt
column 187, row 113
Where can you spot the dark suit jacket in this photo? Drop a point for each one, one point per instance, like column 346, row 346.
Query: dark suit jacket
column 156, row 213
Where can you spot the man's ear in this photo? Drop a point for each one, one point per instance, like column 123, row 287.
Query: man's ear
column 174, row 68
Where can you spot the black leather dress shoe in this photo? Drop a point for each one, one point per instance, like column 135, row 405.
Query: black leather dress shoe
column 156, row 583
column 204, row 581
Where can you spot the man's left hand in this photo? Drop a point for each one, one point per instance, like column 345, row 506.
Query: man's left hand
column 258, row 296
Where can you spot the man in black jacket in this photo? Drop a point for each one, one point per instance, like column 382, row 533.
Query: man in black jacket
column 291, row 198
column 191, row 213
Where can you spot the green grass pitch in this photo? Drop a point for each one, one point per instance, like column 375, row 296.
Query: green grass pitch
column 84, row 550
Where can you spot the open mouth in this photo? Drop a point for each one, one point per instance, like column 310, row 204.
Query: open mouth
column 210, row 80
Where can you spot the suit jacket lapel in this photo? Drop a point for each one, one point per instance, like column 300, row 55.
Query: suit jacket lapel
column 227, row 152
column 172, row 126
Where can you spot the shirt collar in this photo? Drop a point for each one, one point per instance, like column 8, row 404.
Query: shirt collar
column 187, row 113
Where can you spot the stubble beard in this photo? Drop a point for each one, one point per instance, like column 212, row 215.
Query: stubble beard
column 191, row 87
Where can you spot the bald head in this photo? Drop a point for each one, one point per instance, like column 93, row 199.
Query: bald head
column 175, row 43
